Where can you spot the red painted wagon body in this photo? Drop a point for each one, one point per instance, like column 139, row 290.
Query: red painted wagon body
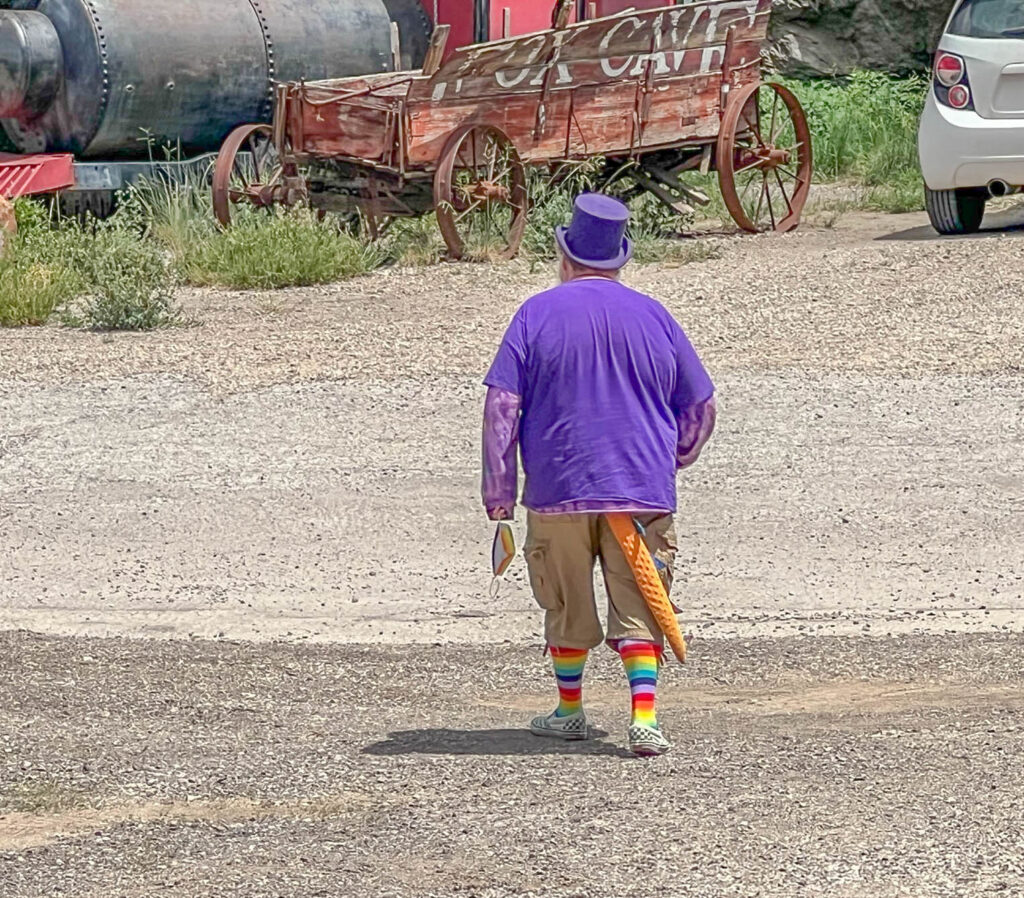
column 651, row 93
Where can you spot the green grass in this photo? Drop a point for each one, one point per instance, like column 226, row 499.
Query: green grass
column 864, row 127
column 864, row 132
column 413, row 242
column 35, row 280
column 263, row 249
column 31, row 291
column 177, row 215
column 267, row 250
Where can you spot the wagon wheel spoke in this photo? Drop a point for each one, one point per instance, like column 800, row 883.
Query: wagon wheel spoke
column 751, row 123
column 746, row 189
column 466, row 212
column 785, row 195
column 790, row 174
column 758, row 164
column 771, row 124
column 760, row 202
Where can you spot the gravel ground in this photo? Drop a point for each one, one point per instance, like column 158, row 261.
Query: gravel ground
column 874, row 294
column 840, row 767
column 304, row 465
column 289, row 491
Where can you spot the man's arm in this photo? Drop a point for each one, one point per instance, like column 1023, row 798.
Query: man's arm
column 696, row 425
column 500, row 447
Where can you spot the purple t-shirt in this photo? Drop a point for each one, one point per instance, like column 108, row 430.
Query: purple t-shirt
column 603, row 372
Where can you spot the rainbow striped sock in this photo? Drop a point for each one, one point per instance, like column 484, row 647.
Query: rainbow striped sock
column 569, row 665
column 640, row 659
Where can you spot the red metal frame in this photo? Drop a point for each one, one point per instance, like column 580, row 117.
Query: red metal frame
column 35, row 174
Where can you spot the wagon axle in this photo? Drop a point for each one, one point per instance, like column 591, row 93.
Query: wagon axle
column 764, row 157
column 293, row 192
column 485, row 192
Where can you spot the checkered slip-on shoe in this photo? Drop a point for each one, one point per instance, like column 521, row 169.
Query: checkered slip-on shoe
column 647, row 742
column 570, row 728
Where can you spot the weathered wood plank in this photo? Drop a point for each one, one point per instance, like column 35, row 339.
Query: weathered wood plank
column 346, row 129
column 602, row 51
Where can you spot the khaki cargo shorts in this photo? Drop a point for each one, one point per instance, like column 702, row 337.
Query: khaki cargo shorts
column 560, row 553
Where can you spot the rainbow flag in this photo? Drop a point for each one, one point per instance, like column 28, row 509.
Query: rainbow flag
column 503, row 549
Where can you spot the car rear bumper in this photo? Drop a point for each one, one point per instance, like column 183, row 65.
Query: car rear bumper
column 959, row 148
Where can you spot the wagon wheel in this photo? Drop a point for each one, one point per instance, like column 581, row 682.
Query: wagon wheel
column 480, row 194
column 764, row 157
column 249, row 169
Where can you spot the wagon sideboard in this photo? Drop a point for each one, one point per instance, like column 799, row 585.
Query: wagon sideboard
column 631, row 82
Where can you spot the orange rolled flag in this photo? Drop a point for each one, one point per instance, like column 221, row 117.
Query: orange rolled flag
column 651, row 586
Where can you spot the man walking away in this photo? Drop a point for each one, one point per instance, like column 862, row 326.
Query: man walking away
column 608, row 399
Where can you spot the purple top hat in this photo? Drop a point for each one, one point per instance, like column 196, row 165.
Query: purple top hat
column 596, row 236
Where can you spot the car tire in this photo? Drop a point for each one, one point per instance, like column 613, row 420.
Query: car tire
column 955, row 211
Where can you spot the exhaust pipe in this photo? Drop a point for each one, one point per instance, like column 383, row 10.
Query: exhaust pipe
column 997, row 187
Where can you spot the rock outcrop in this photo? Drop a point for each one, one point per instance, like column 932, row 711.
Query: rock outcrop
column 833, row 37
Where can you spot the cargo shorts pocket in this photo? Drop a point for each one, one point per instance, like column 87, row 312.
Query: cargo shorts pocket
column 664, row 547
column 545, row 589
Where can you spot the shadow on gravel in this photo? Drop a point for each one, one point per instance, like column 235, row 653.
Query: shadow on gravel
column 489, row 742
column 1009, row 223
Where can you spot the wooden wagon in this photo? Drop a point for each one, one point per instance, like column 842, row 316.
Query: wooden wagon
column 653, row 94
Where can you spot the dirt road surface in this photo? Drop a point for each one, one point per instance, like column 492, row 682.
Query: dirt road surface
column 855, row 768
column 267, row 663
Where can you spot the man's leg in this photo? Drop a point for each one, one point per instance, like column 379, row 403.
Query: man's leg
column 560, row 554
column 641, row 660
column 632, row 630
column 569, row 664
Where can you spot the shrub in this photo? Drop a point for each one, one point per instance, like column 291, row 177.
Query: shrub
column 127, row 283
column 551, row 210
column 31, row 214
column 35, row 280
column 278, row 249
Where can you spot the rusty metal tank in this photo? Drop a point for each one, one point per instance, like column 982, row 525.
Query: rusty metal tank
column 105, row 78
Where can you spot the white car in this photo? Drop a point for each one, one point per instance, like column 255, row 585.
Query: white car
column 971, row 139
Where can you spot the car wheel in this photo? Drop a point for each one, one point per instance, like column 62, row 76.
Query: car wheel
column 955, row 211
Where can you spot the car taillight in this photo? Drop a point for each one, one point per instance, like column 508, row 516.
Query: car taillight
column 949, row 69
column 952, row 87
column 959, row 96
